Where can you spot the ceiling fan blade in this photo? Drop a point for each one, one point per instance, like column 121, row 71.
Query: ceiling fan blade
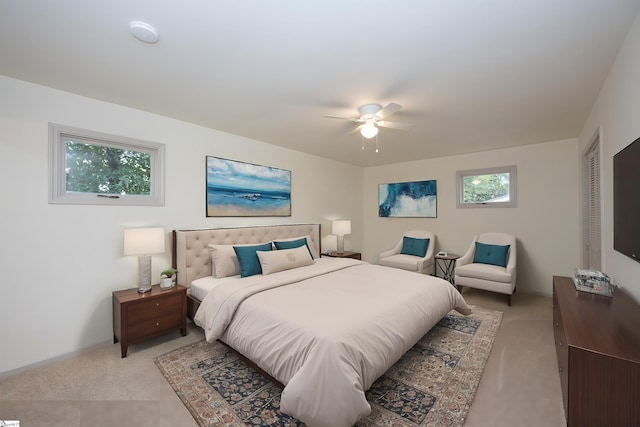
column 394, row 125
column 351, row 119
column 356, row 129
column 388, row 109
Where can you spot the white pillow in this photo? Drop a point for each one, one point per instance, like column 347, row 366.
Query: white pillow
column 224, row 262
column 284, row 259
column 312, row 247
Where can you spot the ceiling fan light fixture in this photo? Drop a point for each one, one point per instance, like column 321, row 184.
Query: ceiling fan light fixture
column 369, row 130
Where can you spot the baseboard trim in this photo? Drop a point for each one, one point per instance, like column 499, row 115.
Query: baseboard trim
column 45, row 362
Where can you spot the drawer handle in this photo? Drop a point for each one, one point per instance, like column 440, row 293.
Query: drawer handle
column 557, row 323
column 157, row 304
column 560, row 343
column 560, row 369
column 157, row 323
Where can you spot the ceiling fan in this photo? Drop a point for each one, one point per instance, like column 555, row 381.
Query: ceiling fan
column 371, row 117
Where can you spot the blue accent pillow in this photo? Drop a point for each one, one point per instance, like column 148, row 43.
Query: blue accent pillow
column 248, row 258
column 491, row 254
column 292, row 244
column 413, row 246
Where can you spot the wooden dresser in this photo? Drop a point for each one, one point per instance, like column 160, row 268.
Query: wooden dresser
column 139, row 317
column 598, row 348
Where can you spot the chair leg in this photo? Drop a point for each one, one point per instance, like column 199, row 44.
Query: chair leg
column 509, row 300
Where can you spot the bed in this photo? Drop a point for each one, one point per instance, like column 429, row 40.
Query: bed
column 326, row 328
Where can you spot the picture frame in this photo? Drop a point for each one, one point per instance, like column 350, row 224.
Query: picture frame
column 240, row 189
column 415, row 199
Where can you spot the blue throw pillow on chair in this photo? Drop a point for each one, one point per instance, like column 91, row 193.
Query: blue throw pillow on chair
column 491, row 254
column 413, row 246
column 248, row 258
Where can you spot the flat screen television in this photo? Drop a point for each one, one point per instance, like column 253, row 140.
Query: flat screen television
column 626, row 201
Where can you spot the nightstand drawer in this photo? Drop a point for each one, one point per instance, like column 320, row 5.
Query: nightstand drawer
column 155, row 308
column 157, row 325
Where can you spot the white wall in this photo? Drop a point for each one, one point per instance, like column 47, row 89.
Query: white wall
column 545, row 222
column 60, row 263
column 616, row 110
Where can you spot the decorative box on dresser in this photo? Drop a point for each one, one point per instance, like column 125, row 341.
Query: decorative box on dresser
column 598, row 349
column 138, row 317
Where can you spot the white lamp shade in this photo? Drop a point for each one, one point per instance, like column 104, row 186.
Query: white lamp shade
column 341, row 227
column 143, row 241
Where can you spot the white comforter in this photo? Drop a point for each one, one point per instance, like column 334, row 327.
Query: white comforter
column 327, row 331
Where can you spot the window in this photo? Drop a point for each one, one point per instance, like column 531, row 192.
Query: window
column 98, row 169
column 487, row 188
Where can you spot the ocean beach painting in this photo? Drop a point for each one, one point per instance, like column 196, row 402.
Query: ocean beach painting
column 418, row 199
column 243, row 189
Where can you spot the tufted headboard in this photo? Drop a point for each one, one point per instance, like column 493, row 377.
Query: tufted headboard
column 191, row 256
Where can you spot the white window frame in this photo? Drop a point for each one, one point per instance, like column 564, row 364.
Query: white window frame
column 57, row 175
column 513, row 183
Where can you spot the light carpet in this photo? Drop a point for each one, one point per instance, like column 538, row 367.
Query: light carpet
column 433, row 384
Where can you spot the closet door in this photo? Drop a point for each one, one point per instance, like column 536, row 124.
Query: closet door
column 592, row 193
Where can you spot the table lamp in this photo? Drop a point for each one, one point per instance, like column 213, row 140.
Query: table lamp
column 144, row 242
column 340, row 228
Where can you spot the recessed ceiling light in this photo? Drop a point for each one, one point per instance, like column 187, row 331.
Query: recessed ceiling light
column 143, row 32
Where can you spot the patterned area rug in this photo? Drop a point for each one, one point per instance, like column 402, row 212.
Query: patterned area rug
column 433, row 384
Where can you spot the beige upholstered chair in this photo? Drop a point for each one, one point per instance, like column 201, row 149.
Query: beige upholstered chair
column 421, row 264
column 478, row 270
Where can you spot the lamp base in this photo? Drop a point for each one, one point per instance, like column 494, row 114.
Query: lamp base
column 144, row 274
column 340, row 245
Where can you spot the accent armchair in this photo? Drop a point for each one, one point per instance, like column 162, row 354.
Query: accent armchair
column 409, row 254
column 489, row 264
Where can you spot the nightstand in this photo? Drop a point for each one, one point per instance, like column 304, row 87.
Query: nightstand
column 139, row 317
column 345, row 254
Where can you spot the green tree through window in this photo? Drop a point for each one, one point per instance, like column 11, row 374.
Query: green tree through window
column 106, row 170
column 486, row 188
column 493, row 187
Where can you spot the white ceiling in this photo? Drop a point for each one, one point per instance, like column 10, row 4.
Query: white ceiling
column 471, row 75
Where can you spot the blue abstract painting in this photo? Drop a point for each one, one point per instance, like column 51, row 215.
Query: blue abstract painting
column 408, row 199
column 243, row 189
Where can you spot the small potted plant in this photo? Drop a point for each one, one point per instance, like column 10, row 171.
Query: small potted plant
column 168, row 278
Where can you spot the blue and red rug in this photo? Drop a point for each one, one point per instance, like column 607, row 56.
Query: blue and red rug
column 432, row 384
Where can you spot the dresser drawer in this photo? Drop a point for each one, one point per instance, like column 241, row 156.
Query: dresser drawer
column 154, row 309
column 561, row 348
